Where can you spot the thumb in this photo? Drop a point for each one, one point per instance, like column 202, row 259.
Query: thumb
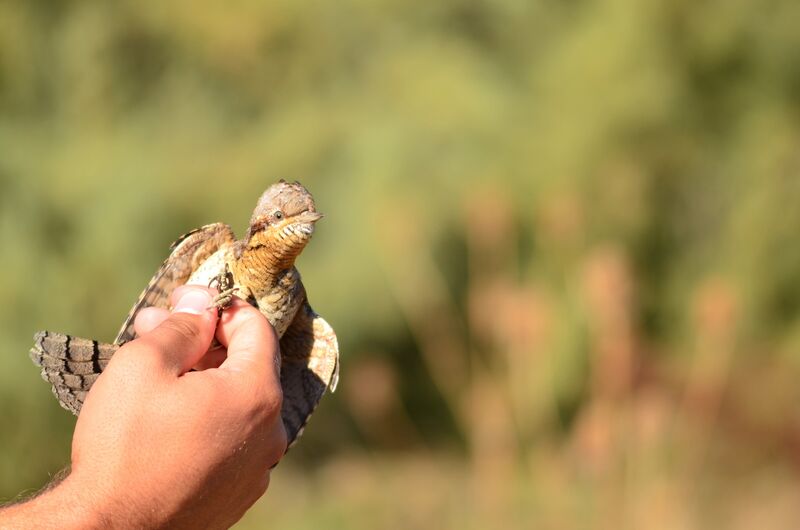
column 182, row 339
column 253, row 348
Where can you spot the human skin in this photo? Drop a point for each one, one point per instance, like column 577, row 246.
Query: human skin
column 157, row 445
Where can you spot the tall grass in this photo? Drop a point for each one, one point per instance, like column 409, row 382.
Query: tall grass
column 559, row 247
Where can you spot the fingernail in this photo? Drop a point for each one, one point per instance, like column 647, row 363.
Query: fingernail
column 194, row 301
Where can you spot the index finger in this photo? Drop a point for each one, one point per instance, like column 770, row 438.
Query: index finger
column 253, row 349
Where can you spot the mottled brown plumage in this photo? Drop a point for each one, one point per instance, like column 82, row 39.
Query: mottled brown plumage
column 262, row 267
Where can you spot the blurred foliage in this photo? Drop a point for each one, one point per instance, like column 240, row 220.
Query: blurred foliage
column 560, row 248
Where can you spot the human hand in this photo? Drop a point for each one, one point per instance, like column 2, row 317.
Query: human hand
column 158, row 445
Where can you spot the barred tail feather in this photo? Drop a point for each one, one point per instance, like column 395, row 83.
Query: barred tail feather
column 70, row 364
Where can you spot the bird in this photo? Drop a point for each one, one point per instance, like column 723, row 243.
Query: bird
column 259, row 268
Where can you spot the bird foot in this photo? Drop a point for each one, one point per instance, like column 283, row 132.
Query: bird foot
column 224, row 283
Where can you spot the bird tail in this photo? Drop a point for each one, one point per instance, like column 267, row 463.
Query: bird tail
column 70, row 364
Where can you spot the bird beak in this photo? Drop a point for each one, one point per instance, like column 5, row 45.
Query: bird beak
column 309, row 217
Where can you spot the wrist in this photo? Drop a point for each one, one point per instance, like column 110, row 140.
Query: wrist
column 97, row 504
column 81, row 503
column 62, row 506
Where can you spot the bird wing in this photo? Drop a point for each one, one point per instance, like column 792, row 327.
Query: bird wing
column 188, row 253
column 309, row 365
column 72, row 364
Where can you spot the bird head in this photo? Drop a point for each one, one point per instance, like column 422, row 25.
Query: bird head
column 283, row 220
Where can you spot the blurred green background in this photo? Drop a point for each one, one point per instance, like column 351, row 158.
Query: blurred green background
column 560, row 247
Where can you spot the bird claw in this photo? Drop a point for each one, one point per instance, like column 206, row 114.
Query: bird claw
column 223, row 300
column 224, row 283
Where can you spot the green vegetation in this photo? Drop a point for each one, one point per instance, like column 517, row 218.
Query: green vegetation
column 560, row 247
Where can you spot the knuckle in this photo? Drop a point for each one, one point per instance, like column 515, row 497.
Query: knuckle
column 283, row 440
column 264, row 398
column 279, row 445
column 271, row 401
column 262, row 407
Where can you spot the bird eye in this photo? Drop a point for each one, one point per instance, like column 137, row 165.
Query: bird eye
column 278, row 215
